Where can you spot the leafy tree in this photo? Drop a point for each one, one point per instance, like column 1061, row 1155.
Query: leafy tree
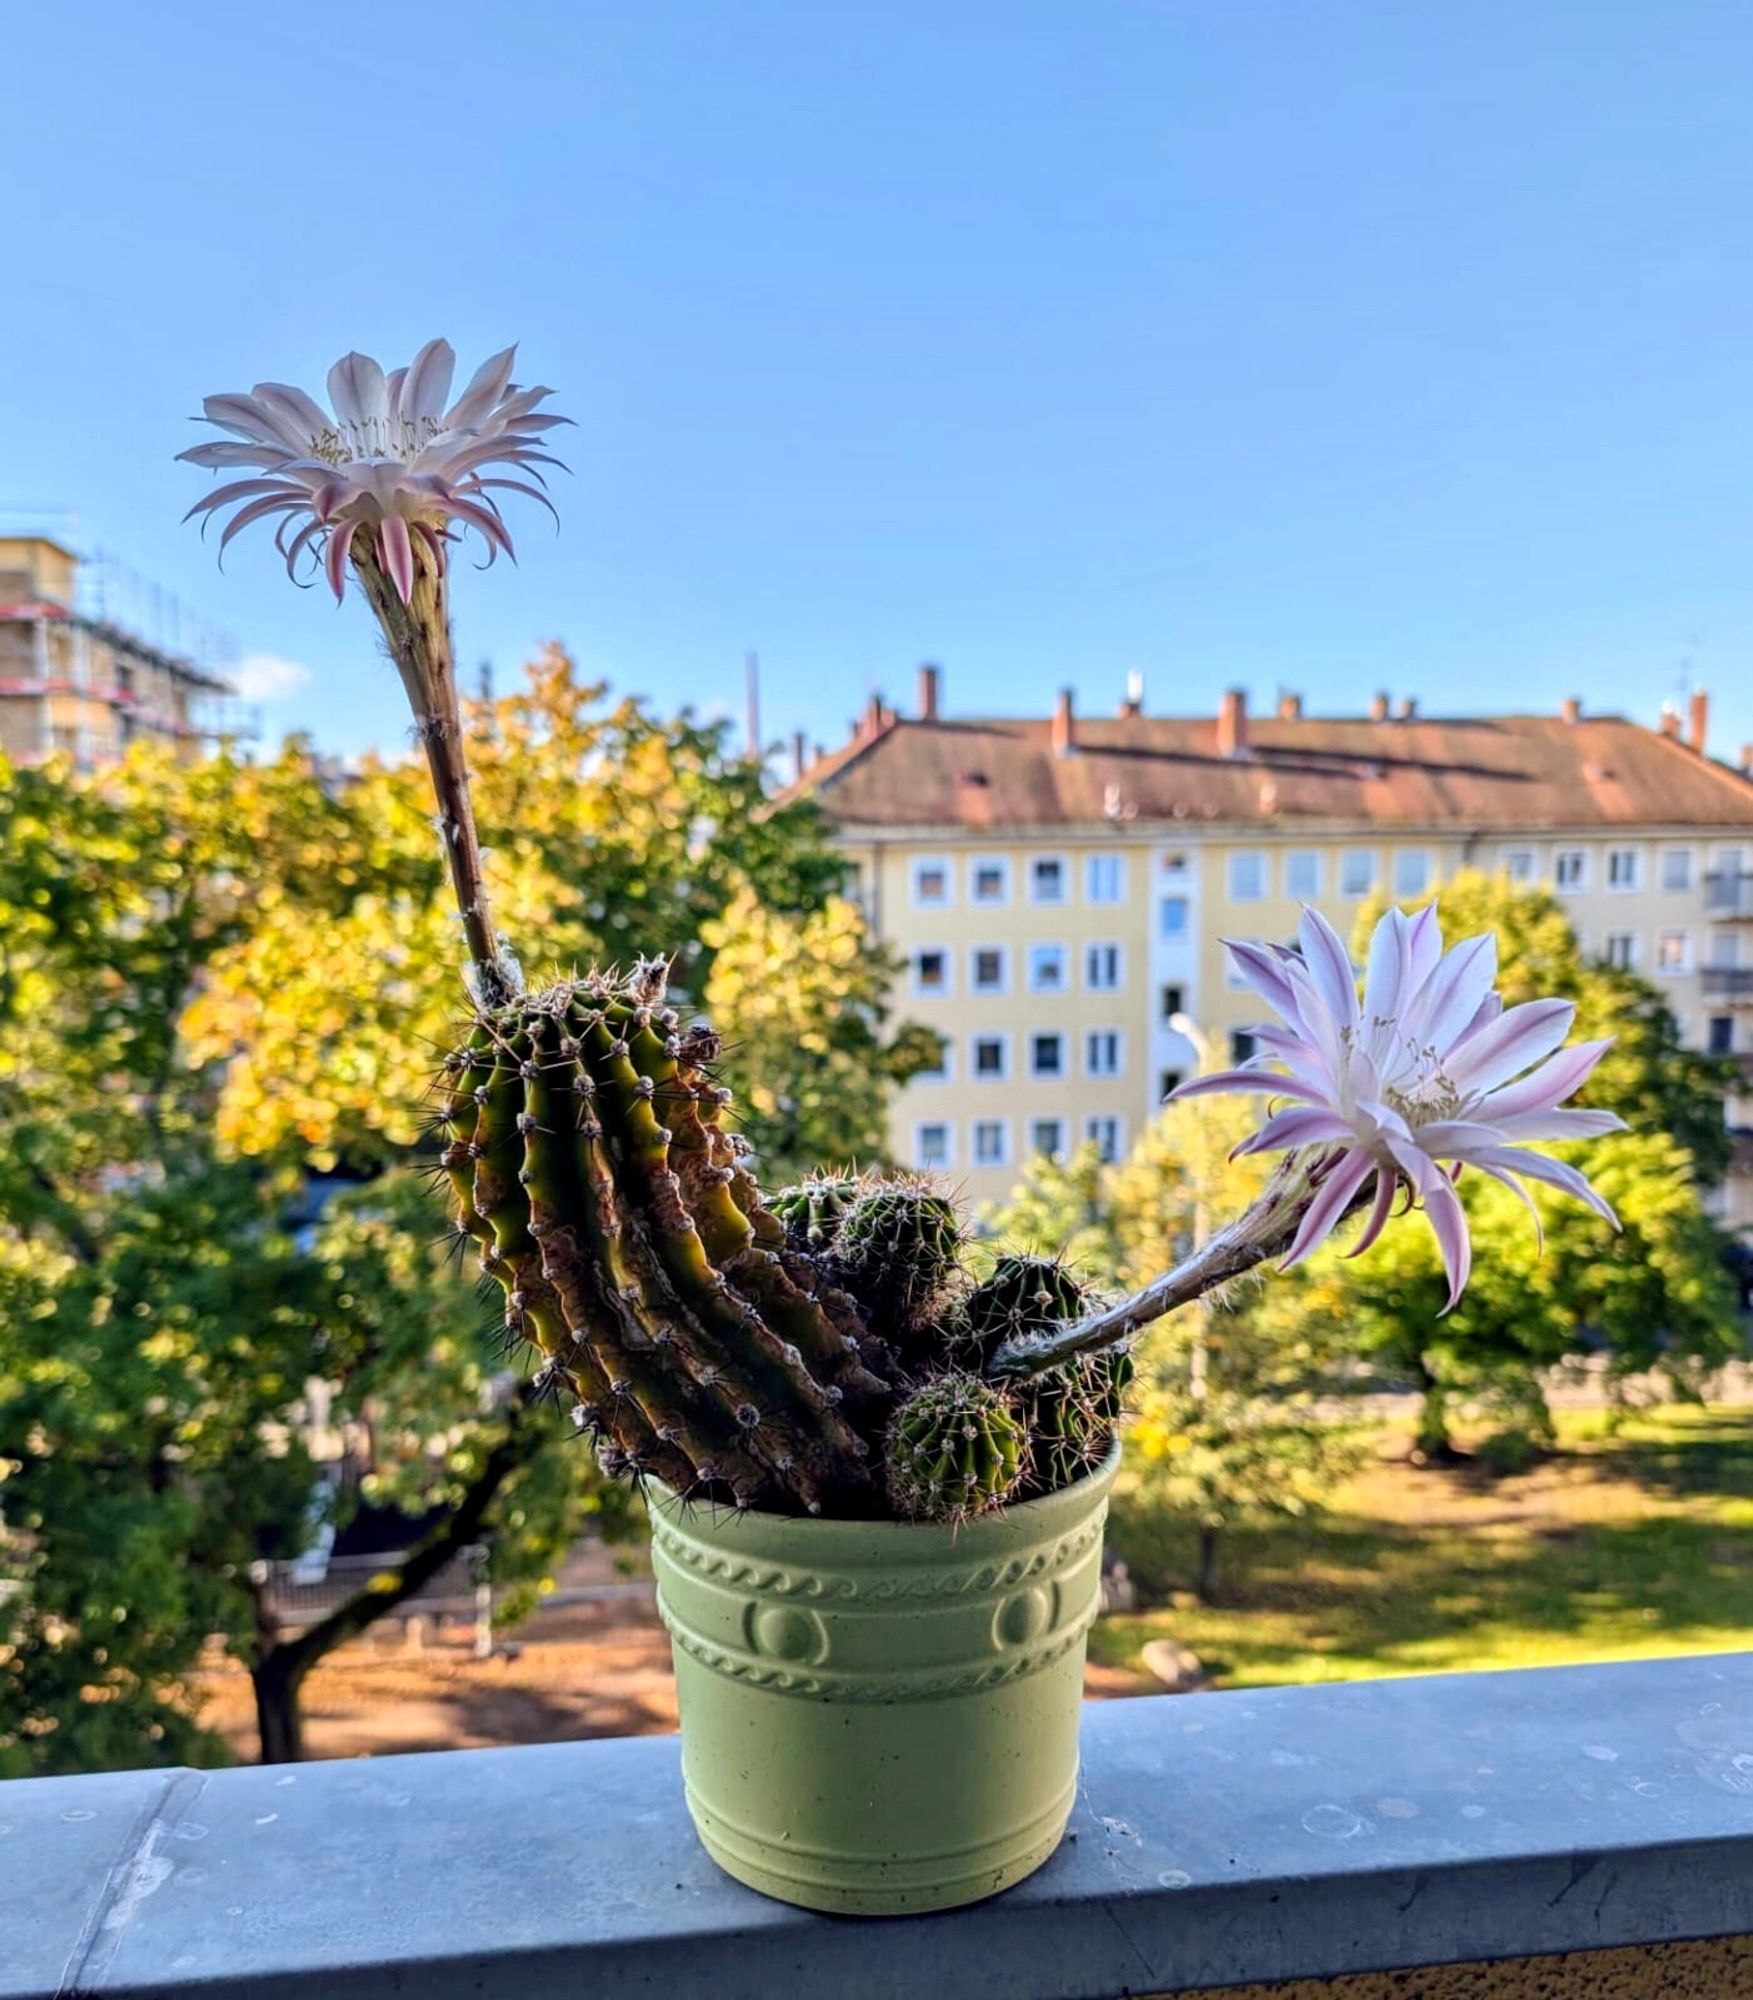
column 803, row 1001
column 213, row 980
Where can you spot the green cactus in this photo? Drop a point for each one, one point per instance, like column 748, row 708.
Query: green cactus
column 957, row 1446
column 1071, row 1412
column 813, row 1208
column 584, row 1146
column 898, row 1253
column 1023, row 1294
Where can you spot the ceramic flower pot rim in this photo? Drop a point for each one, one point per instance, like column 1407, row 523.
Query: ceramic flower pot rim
column 764, row 1533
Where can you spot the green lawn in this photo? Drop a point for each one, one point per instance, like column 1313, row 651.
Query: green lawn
column 1626, row 1544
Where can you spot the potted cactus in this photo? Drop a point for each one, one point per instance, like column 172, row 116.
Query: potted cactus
column 876, row 1481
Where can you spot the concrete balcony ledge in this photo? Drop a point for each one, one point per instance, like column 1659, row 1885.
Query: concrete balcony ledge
column 1221, row 1840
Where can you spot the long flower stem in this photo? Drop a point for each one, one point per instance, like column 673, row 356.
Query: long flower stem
column 418, row 637
column 1268, row 1227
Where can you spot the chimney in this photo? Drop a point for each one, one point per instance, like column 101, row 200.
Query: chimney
column 1232, row 723
column 1699, row 721
column 800, row 761
column 1290, row 708
column 1670, row 722
column 1571, row 709
column 1064, row 740
column 870, row 723
column 928, row 683
column 1379, row 708
column 1133, row 706
column 1747, row 760
column 1408, row 710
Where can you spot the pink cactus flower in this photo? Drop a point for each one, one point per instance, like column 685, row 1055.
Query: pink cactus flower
column 396, row 458
column 1426, row 1074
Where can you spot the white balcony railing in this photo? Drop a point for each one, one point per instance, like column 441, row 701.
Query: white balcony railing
column 1477, row 1821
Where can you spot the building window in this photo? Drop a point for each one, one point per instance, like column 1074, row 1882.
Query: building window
column 1104, row 1135
column 1411, row 871
column 1247, row 875
column 1624, row 868
column 1101, row 1052
column 991, row 968
column 989, row 882
column 991, row 1058
column 1357, row 871
column 1169, row 1081
column 1302, row 874
column 931, row 970
column 1570, row 868
column 1241, row 1045
column 1047, row 1137
column 1047, row 1054
column 1174, row 1000
column 1101, row 968
column 1104, row 878
column 1621, row 949
column 931, row 882
column 1046, row 968
column 1677, row 869
column 1047, row 878
column 991, row 1142
column 931, row 1145
column 1724, row 950
column 1518, row 863
column 1172, row 919
column 1674, row 951
column 1719, row 1034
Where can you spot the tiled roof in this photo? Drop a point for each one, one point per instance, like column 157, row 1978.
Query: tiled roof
column 1509, row 772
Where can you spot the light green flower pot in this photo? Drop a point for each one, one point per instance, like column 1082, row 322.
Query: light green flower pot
column 881, row 1717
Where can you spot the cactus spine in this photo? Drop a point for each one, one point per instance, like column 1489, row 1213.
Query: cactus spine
column 958, row 1446
column 898, row 1251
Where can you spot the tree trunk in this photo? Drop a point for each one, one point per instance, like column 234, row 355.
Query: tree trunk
column 282, row 1663
column 1432, row 1444
column 279, row 1719
column 1205, row 1575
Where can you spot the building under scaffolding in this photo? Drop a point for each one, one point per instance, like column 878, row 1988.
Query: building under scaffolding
column 78, row 679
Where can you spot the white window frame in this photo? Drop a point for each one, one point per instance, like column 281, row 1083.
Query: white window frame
column 1093, row 863
column 1001, row 1158
column 1315, row 858
column 1001, row 1036
column 1036, row 1149
column 1118, row 1036
column 1117, row 1151
column 1104, row 945
column 1635, row 886
column 1063, row 983
column 947, row 1126
column 1063, row 1072
column 1688, row 857
column 1002, row 983
column 1050, row 902
column 1508, row 856
column 1000, row 862
column 1580, row 887
column 1372, row 859
column 1633, row 950
column 920, row 863
column 1682, row 966
column 1428, row 881
column 1257, row 855
column 920, row 990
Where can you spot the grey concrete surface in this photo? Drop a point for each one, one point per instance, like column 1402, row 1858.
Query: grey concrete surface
column 1219, row 1838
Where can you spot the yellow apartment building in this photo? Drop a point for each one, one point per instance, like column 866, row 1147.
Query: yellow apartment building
column 82, row 685
column 1059, row 887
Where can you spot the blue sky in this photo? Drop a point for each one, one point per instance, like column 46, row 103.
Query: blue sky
column 1297, row 342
